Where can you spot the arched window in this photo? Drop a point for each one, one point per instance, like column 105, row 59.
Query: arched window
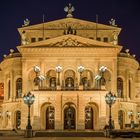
column 2, row 91
column 19, row 88
column 120, row 87
column 129, row 94
column 9, row 88
column 53, row 82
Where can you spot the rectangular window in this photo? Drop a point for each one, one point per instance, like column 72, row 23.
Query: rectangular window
column 40, row 39
column 105, row 39
column 98, row 38
column 33, row 39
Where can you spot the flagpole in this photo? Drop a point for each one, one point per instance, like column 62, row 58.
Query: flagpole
column 43, row 27
column 96, row 26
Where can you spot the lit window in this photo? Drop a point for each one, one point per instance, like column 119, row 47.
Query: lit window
column 33, row 39
column 9, row 88
column 120, row 87
column 98, row 38
column 19, row 88
column 105, row 39
column 40, row 39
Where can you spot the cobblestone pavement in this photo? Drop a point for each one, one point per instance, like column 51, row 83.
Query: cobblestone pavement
column 63, row 138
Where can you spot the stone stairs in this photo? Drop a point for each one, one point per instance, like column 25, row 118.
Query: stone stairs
column 68, row 134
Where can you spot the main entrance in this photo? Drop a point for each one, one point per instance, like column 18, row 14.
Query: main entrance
column 69, row 117
column 88, row 117
column 50, row 117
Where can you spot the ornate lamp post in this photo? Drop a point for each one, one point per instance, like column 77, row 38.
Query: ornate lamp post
column 37, row 71
column 110, row 100
column 39, row 78
column 0, row 115
column 58, row 70
column 29, row 100
column 138, row 117
column 80, row 70
column 130, row 114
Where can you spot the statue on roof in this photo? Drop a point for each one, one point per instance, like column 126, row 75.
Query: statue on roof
column 26, row 22
column 112, row 22
column 24, row 40
column 115, row 38
column 69, row 9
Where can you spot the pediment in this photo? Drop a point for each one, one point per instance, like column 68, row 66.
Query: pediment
column 72, row 22
column 69, row 41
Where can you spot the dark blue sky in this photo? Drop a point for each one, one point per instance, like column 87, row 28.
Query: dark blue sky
column 126, row 13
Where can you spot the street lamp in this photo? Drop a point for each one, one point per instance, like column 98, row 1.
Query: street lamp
column 130, row 114
column 110, row 100
column 39, row 78
column 29, row 100
column 8, row 114
column 37, row 71
column 58, row 70
column 138, row 117
column 80, row 70
column 0, row 114
column 102, row 70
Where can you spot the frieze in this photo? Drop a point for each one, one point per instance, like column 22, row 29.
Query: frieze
column 75, row 24
column 68, row 42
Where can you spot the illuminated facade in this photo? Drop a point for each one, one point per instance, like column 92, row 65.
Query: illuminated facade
column 69, row 86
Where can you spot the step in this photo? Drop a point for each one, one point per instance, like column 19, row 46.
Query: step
column 68, row 134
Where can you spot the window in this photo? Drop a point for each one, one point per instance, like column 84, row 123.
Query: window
column 18, row 88
column 129, row 89
column 105, row 39
column 98, row 38
column 120, row 87
column 33, row 39
column 91, row 38
column 40, row 39
column 9, row 89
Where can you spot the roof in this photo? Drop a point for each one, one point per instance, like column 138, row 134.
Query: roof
column 73, row 22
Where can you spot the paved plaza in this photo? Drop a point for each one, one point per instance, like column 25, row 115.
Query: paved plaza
column 64, row 138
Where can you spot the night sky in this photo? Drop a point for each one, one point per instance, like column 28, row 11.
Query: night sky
column 125, row 12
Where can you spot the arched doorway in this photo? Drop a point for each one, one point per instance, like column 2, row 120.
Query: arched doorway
column 88, row 117
column 121, row 118
column 18, row 119
column 69, row 117
column 50, row 122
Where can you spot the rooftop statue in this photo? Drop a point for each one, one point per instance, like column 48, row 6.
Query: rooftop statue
column 112, row 22
column 26, row 22
column 69, row 9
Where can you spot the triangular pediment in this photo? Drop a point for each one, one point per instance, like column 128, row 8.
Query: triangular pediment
column 72, row 22
column 69, row 41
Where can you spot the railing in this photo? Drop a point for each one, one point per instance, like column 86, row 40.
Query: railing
column 64, row 88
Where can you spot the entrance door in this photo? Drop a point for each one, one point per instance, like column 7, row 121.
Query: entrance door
column 88, row 118
column 50, row 117
column 121, row 119
column 69, row 118
column 18, row 119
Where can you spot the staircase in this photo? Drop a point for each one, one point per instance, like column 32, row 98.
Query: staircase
column 68, row 134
